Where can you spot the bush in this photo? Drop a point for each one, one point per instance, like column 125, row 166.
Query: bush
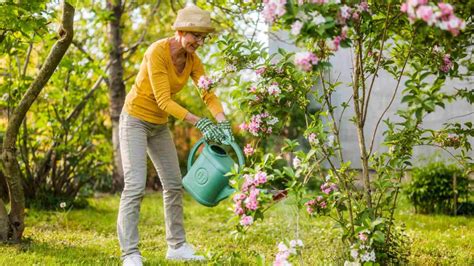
column 431, row 188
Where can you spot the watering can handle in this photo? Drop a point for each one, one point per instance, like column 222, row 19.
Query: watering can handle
column 237, row 150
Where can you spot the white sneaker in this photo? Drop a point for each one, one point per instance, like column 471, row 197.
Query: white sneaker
column 133, row 260
column 185, row 252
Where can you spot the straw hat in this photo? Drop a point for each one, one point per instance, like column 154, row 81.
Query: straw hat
column 192, row 18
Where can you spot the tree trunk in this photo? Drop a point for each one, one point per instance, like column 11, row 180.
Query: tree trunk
column 9, row 156
column 116, row 88
column 360, row 125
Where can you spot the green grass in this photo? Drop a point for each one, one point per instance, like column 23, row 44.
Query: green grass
column 87, row 237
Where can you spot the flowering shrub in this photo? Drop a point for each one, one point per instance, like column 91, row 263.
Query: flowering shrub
column 274, row 104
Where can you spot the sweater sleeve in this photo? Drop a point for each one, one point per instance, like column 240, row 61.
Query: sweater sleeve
column 158, row 74
column 210, row 99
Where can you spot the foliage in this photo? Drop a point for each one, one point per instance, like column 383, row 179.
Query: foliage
column 271, row 92
column 431, row 188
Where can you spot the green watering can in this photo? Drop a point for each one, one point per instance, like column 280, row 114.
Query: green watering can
column 206, row 180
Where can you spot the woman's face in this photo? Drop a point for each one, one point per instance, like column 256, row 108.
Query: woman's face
column 191, row 41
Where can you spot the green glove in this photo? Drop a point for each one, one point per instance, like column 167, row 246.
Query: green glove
column 210, row 131
column 227, row 129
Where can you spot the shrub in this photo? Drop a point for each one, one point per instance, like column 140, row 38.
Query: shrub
column 431, row 188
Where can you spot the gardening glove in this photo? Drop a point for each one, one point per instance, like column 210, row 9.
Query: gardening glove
column 226, row 128
column 210, row 131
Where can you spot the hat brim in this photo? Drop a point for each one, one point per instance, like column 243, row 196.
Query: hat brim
column 195, row 29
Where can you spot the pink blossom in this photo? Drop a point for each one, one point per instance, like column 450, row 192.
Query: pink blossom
column 246, row 220
column 447, row 63
column 446, row 9
column 254, row 192
column 251, row 205
column 273, row 9
column 345, row 12
column 363, row 7
column 306, row 60
column 205, row 82
column 310, row 203
column 274, row 90
column 296, row 27
column 261, row 177
column 363, row 237
column 248, row 150
column 320, row 1
column 238, row 197
column 253, row 89
column 260, row 71
column 404, row 7
column 243, row 126
column 426, row 13
column 309, row 210
column 344, row 32
column 247, row 183
column 312, row 138
column 323, row 205
column 239, row 211
column 319, row 198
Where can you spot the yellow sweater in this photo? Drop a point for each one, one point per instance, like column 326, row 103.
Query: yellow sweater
column 157, row 82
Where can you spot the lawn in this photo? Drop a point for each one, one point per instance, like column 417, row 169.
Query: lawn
column 87, row 237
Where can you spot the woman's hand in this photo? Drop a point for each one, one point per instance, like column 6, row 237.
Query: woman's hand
column 227, row 130
column 210, row 131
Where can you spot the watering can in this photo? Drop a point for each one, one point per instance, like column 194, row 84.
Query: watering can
column 206, row 180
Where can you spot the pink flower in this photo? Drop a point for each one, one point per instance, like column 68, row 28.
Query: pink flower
column 319, row 198
column 310, row 203
column 447, row 63
column 404, row 7
column 243, row 126
column 296, row 27
column 260, row 71
column 246, row 220
column 247, row 183
column 306, row 60
column 312, row 138
column 238, row 210
column 274, row 90
column 363, row 237
column 426, row 14
column 446, row 9
column 273, row 9
column 309, row 210
column 248, row 150
column 253, row 89
column 205, row 82
column 323, row 205
column 261, row 177
column 345, row 12
column 252, row 205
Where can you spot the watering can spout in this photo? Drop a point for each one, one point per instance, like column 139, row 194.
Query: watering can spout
column 226, row 192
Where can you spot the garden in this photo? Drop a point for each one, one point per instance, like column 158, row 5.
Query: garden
column 353, row 120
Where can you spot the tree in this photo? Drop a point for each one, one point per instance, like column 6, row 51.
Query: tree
column 15, row 218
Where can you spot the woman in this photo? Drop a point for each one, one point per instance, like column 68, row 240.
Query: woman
column 165, row 69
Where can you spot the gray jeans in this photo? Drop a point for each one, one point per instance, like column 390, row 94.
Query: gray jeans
column 137, row 138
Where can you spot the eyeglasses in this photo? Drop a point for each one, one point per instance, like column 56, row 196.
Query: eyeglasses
column 198, row 38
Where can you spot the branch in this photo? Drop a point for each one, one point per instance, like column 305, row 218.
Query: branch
column 52, row 61
column 132, row 49
column 376, row 68
column 393, row 96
